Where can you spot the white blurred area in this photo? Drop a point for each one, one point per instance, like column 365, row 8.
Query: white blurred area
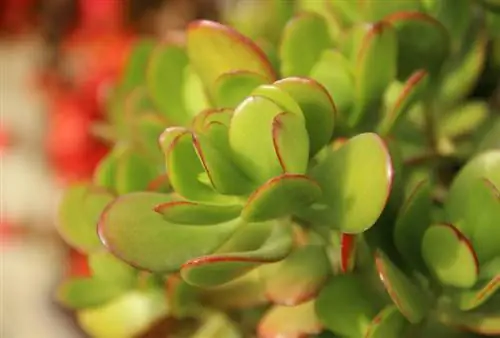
column 30, row 262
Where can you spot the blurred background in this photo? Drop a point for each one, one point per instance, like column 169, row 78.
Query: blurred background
column 56, row 58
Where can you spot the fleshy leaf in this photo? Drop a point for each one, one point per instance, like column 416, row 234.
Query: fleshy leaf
column 279, row 97
column 270, row 145
column 280, row 196
column 464, row 119
column 415, row 52
column 232, row 88
column 196, row 97
column 335, row 73
column 409, row 94
column 290, row 322
column 127, row 316
column 217, row 325
column 165, row 73
column 344, row 306
column 104, row 174
column 317, row 107
column 411, row 301
column 135, row 70
column 389, row 323
column 450, row 256
column 133, row 171
column 187, row 212
column 484, row 324
column 413, row 220
column 298, row 278
column 373, row 10
column 78, row 215
column 135, row 233
column 220, row 268
column 81, row 293
column 215, row 49
column 106, row 267
column 299, row 52
column 375, row 68
column 488, row 284
column 356, row 180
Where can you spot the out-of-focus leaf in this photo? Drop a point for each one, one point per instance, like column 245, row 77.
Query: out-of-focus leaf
column 127, row 316
column 389, row 323
column 232, row 88
column 375, row 10
column 81, row 293
column 415, row 52
column 133, row 171
column 106, row 267
column 217, row 325
column 464, row 119
column 298, row 51
column 135, row 70
column 344, row 306
column 195, row 95
column 290, row 321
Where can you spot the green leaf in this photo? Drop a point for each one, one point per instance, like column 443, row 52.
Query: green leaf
column 196, row 97
column 217, row 325
column 275, row 143
column 450, row 256
column 165, row 75
column 464, row 119
column 280, row 97
column 454, row 15
column 488, row 284
column 148, row 128
column 362, row 164
column 104, row 174
column 133, row 171
column 411, row 224
column 280, row 196
column 409, row 94
column 222, row 267
column 290, row 321
column 127, row 316
column 298, row 278
column 344, row 306
column 215, row 49
column 134, row 232
column 409, row 298
column 78, row 215
column 317, row 107
column 491, row 139
column 107, row 268
column 484, row 324
column 186, row 212
column 374, row 10
column 81, row 293
column 375, row 68
column 230, row 89
column 298, row 51
column 335, row 73
column 135, row 70
column 423, row 43
column 389, row 323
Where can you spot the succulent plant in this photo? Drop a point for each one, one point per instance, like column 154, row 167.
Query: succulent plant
column 313, row 197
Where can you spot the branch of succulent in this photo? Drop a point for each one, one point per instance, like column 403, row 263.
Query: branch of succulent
column 245, row 198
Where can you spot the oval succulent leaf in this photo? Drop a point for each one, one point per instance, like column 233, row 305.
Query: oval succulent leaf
column 218, row 115
column 266, row 141
column 107, row 268
column 187, row 212
column 81, row 293
column 484, row 324
column 373, row 10
column 215, row 49
column 450, row 256
column 409, row 298
column 135, row 233
column 335, row 73
column 344, row 306
column 233, row 87
column 78, row 216
column 220, row 268
column 485, row 288
column 411, row 92
column 129, row 315
column 389, row 323
column 298, row 278
column 415, row 52
column 413, row 220
column 317, row 107
column 375, row 68
column 464, row 120
column 299, row 52
column 280, row 196
column 280, row 97
column 290, row 322
column 164, row 74
column 360, row 165
column 133, row 171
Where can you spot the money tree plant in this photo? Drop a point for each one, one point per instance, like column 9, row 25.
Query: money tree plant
column 320, row 196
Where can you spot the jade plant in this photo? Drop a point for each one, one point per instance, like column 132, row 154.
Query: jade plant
column 349, row 189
